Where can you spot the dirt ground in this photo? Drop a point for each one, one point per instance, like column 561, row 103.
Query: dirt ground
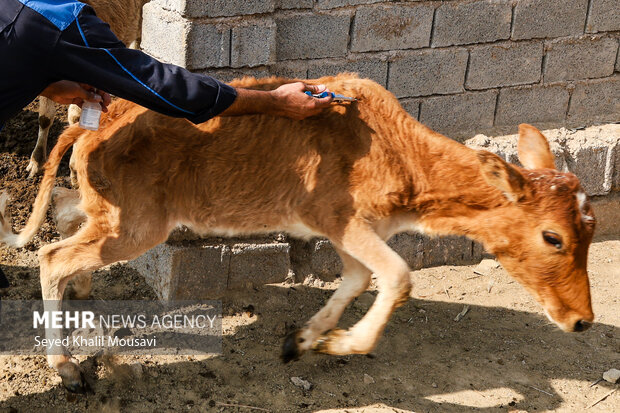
column 503, row 355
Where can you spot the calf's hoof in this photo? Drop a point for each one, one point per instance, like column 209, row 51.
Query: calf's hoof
column 338, row 342
column 73, row 378
column 290, row 348
column 33, row 169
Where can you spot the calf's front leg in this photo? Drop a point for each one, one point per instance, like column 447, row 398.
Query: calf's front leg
column 393, row 281
column 355, row 280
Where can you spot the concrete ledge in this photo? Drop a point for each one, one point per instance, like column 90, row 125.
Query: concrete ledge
column 207, row 269
column 188, row 267
column 607, row 211
column 593, row 154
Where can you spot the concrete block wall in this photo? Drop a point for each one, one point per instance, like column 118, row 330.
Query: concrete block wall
column 462, row 66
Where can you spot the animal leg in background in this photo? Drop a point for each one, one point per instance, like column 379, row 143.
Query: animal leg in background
column 47, row 111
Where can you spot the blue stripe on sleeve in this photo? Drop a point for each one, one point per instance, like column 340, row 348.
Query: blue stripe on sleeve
column 131, row 74
column 143, row 84
column 77, row 22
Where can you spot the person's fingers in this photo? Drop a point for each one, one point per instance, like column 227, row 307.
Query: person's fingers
column 90, row 93
column 107, row 99
column 93, row 97
column 318, row 89
column 324, row 101
column 315, row 88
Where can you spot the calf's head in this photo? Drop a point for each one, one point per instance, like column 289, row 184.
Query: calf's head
column 542, row 235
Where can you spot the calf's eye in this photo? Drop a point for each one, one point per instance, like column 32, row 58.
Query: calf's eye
column 553, row 239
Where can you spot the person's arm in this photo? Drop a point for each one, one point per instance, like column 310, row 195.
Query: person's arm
column 289, row 100
column 90, row 53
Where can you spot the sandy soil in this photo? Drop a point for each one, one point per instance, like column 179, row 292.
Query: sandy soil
column 503, row 355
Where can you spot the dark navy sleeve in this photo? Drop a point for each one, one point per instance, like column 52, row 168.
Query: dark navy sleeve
column 88, row 52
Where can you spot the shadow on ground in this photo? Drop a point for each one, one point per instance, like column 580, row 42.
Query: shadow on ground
column 501, row 358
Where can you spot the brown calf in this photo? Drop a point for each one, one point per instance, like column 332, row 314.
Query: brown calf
column 357, row 174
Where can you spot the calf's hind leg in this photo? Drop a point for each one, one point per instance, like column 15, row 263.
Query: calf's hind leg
column 68, row 217
column 86, row 251
column 355, row 280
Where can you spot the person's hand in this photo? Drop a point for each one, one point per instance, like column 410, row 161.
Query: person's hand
column 292, row 101
column 289, row 100
column 66, row 92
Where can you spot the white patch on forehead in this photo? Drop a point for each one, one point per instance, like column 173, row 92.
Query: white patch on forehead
column 581, row 201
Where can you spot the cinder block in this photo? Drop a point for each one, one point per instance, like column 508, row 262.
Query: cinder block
column 457, row 116
column 206, row 269
column 410, row 246
column 173, row 5
column 253, row 43
column 536, row 104
column 608, row 135
column 226, row 75
column 375, row 69
column 332, row 4
column 420, row 251
column 587, row 159
column 585, row 58
column 176, row 272
column 503, row 146
column 294, row 4
column 417, row 250
column 208, row 45
column 449, row 251
column 324, row 260
column 412, row 106
column 392, row 27
column 595, row 101
column 427, row 73
column 258, row 264
column 199, row 272
column 547, row 19
column 218, row 8
column 591, row 153
column 607, row 213
column 507, row 64
column 478, row 22
column 308, row 36
column 604, row 16
column 612, row 168
column 164, row 34
column 293, row 69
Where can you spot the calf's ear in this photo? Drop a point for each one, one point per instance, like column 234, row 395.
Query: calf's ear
column 534, row 152
column 500, row 174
